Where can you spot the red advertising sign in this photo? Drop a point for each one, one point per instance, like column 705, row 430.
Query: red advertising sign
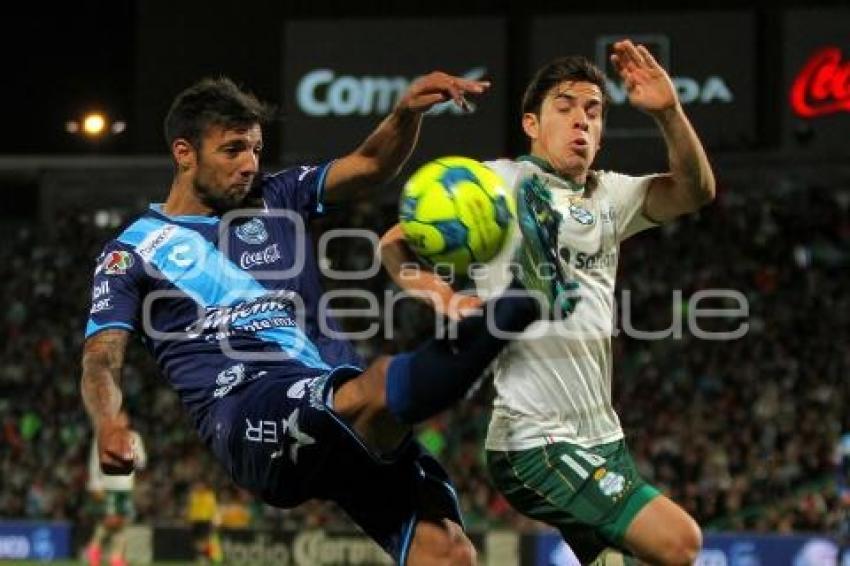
column 822, row 86
column 815, row 95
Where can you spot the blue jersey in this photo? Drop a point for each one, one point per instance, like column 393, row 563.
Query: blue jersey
column 224, row 302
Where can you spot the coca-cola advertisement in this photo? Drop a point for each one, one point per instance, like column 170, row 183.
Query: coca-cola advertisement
column 816, row 81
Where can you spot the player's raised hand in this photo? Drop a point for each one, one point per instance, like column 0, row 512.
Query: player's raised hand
column 648, row 84
column 438, row 87
column 115, row 447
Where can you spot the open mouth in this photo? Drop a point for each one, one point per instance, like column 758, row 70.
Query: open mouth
column 580, row 146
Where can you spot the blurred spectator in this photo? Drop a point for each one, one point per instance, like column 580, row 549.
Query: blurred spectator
column 203, row 515
column 233, row 511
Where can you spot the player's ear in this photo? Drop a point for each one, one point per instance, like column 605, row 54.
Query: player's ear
column 531, row 125
column 183, row 153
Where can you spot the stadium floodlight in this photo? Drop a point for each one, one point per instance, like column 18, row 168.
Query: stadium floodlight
column 95, row 125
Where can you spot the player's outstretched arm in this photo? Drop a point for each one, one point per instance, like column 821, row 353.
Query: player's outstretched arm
column 408, row 273
column 380, row 157
column 690, row 182
column 103, row 358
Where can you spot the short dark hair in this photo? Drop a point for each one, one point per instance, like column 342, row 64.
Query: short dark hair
column 212, row 102
column 553, row 73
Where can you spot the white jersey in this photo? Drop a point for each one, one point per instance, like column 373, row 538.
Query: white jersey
column 98, row 481
column 554, row 383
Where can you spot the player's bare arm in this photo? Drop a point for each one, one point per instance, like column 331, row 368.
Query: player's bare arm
column 380, row 157
column 690, row 182
column 408, row 273
column 103, row 358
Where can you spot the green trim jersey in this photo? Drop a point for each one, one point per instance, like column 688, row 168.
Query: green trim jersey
column 554, row 383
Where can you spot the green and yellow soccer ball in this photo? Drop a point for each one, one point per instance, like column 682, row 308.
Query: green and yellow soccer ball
column 455, row 212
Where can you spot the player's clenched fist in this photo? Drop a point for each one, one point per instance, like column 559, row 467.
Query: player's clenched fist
column 115, row 448
column 438, row 87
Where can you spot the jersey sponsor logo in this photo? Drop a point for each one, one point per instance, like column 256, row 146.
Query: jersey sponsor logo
column 116, row 263
column 104, row 304
column 242, row 317
column 266, row 256
column 179, row 255
column 583, row 260
column 252, row 232
column 100, row 290
column 155, row 240
column 596, row 261
column 232, row 377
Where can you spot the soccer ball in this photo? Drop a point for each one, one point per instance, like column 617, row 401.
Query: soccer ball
column 454, row 212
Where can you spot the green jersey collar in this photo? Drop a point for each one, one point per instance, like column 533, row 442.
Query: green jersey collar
column 547, row 167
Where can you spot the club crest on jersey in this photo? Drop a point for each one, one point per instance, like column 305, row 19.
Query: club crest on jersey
column 252, row 232
column 117, row 263
column 581, row 214
column 231, row 377
column 610, row 483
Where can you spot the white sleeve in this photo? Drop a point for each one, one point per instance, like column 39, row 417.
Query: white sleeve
column 95, row 475
column 507, row 169
column 627, row 195
column 141, row 455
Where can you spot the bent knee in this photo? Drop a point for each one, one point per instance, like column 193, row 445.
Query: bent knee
column 441, row 544
column 459, row 552
column 684, row 546
column 464, row 553
column 363, row 394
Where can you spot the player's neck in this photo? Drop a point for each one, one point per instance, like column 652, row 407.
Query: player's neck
column 575, row 182
column 182, row 201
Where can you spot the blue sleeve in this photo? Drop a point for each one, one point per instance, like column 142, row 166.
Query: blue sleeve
column 299, row 189
column 116, row 296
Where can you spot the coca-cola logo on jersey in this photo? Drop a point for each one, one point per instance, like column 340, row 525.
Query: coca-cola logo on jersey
column 822, row 87
column 262, row 257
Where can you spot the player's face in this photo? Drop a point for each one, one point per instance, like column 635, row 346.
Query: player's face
column 568, row 131
column 227, row 162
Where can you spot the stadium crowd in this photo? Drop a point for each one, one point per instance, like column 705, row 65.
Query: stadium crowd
column 741, row 431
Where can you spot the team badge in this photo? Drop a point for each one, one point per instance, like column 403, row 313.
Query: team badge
column 252, row 232
column 581, row 215
column 612, row 484
column 232, row 377
column 117, row 263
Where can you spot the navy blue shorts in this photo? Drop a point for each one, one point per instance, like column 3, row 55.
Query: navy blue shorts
column 280, row 440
